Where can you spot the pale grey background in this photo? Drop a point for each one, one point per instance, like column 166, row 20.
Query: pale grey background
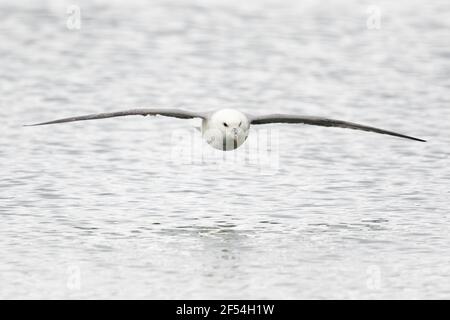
column 347, row 215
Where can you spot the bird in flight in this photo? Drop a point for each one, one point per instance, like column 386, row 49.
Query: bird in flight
column 227, row 129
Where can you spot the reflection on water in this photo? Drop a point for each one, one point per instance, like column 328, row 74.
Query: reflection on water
column 108, row 209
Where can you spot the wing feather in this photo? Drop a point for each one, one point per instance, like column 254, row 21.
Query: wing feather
column 324, row 122
column 175, row 113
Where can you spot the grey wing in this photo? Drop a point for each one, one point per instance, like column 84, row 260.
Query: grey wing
column 325, row 122
column 175, row 113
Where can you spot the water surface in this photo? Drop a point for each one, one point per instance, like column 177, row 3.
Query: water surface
column 105, row 209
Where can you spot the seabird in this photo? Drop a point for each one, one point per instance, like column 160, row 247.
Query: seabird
column 227, row 129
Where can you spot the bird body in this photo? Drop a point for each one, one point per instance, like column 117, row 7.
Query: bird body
column 225, row 129
column 228, row 129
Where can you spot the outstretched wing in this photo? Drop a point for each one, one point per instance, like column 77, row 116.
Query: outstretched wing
column 319, row 121
column 175, row 113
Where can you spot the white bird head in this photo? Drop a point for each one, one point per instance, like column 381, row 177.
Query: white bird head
column 226, row 129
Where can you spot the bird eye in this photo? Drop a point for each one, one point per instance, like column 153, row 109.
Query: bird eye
column 225, row 124
column 240, row 123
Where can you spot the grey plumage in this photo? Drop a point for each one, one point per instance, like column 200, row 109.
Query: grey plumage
column 325, row 122
column 175, row 113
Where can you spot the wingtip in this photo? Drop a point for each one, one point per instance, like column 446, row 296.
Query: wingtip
column 413, row 138
column 36, row 124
